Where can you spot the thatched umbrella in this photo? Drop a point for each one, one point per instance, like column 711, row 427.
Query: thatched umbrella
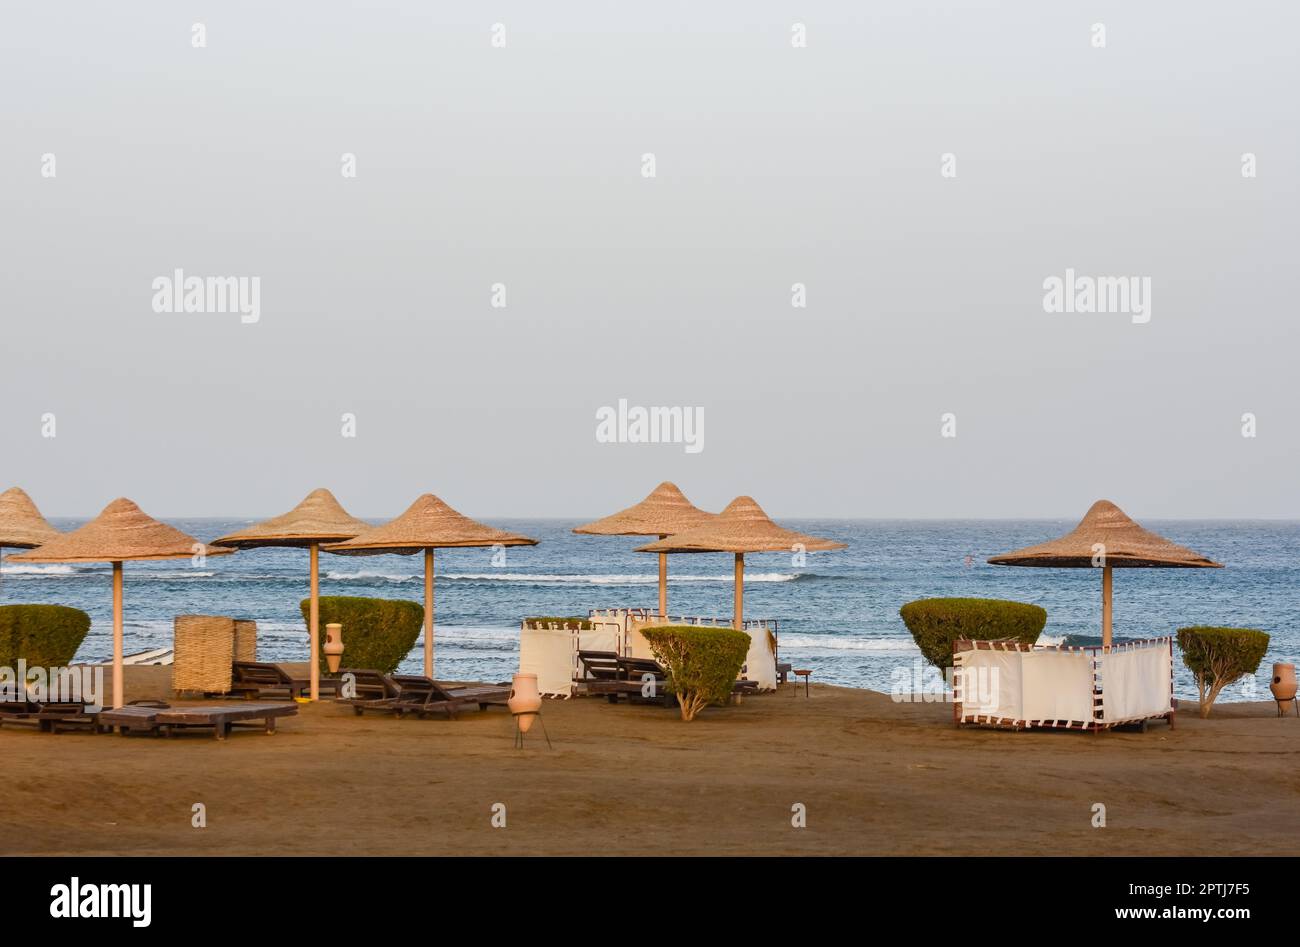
column 1108, row 539
column 317, row 519
column 21, row 524
column 121, row 532
column 428, row 524
column 664, row 512
column 742, row 527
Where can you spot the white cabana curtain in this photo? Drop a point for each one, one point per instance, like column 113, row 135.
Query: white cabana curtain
column 990, row 684
column 548, row 653
column 760, row 662
column 1056, row 685
column 1135, row 682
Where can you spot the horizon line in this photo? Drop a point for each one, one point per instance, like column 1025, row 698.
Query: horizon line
column 1279, row 518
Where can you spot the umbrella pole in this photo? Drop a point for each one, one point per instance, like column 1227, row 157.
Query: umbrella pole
column 663, row 583
column 739, row 620
column 117, row 635
column 1105, row 607
column 428, row 612
column 313, row 623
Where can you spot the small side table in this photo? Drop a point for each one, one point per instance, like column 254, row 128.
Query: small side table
column 805, row 673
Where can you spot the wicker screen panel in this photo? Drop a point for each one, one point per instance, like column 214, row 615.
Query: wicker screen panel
column 245, row 639
column 205, row 648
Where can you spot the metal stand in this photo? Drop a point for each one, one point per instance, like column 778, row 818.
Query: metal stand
column 1282, row 703
column 519, row 734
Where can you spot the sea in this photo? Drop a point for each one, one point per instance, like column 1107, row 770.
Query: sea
column 837, row 612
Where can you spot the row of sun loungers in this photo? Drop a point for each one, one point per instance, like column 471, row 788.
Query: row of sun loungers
column 604, row 673
column 387, row 693
column 150, row 716
column 398, row 694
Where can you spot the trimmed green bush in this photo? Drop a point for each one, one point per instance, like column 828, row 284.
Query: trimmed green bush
column 935, row 623
column 576, row 623
column 1219, row 656
column 377, row 632
column 42, row 635
column 702, row 663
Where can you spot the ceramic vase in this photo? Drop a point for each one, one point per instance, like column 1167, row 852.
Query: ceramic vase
column 525, row 701
column 333, row 646
column 1284, row 683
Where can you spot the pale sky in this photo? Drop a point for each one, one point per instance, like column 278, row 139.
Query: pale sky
column 775, row 165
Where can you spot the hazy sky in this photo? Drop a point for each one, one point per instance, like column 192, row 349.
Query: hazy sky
column 775, row 165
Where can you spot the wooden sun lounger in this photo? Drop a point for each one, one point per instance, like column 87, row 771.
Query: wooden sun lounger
column 485, row 695
column 48, row 716
column 412, row 693
column 599, row 665
column 374, row 691
column 612, row 676
column 222, row 718
column 256, row 679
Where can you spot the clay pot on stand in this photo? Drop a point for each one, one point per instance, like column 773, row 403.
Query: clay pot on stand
column 525, row 704
column 1283, row 685
column 333, row 647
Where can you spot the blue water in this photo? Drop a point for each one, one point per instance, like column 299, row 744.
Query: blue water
column 838, row 612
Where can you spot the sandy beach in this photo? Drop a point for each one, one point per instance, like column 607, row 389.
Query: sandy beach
column 876, row 777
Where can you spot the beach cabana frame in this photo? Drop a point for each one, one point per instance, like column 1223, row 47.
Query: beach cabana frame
column 1136, row 695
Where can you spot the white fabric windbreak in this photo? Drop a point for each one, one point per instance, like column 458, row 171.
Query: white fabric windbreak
column 1056, row 685
column 1136, row 682
column 548, row 653
column 637, row 646
column 760, row 662
column 599, row 638
column 990, row 684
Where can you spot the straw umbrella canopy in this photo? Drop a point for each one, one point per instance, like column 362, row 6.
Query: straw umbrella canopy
column 318, row 519
column 664, row 512
column 428, row 524
column 21, row 524
column 742, row 527
column 120, row 533
column 1107, row 538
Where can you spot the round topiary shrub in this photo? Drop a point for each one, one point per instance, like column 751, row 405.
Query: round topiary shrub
column 377, row 632
column 42, row 635
column 935, row 623
column 1219, row 656
column 702, row 663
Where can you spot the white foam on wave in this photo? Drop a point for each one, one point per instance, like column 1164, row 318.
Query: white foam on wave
column 10, row 569
column 838, row 643
column 525, row 578
column 77, row 572
column 385, row 576
column 615, row 579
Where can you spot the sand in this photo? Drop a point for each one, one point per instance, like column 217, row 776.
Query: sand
column 876, row 777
